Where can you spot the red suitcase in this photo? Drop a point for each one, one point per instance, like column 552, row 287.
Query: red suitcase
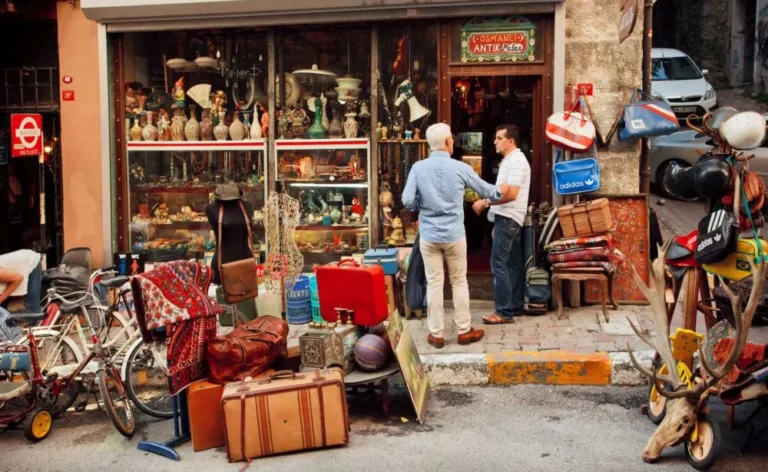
column 352, row 286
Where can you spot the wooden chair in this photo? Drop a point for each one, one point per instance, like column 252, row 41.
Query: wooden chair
column 583, row 274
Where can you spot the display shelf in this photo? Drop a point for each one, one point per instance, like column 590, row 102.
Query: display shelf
column 360, row 227
column 185, row 224
column 146, row 146
column 328, row 184
column 320, row 144
column 190, row 189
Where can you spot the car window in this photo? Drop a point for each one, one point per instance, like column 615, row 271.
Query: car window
column 675, row 68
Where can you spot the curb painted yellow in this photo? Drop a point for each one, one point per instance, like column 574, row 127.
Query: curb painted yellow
column 550, row 368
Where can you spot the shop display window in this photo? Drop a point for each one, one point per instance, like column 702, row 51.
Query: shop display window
column 195, row 115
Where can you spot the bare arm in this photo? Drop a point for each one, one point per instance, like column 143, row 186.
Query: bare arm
column 13, row 279
column 509, row 196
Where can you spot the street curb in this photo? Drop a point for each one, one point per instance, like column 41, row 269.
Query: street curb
column 526, row 367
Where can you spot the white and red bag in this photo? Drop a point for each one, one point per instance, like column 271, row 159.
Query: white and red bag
column 571, row 129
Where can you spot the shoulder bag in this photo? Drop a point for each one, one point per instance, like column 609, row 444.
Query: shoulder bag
column 650, row 116
column 571, row 129
column 238, row 278
column 717, row 237
column 576, row 175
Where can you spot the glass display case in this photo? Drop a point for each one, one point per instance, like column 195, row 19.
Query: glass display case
column 170, row 183
column 330, row 178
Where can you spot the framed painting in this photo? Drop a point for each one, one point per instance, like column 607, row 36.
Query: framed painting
column 632, row 238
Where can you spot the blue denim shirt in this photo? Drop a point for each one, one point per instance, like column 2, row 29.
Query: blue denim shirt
column 435, row 188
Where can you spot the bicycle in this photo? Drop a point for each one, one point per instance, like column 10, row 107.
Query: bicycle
column 143, row 367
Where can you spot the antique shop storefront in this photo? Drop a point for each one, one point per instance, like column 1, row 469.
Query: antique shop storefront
column 327, row 103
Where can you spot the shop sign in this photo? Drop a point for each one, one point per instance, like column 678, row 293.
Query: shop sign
column 509, row 39
column 130, row 264
column 68, row 95
column 26, row 135
column 627, row 19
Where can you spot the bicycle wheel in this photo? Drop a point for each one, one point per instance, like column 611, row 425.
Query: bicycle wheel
column 146, row 381
column 115, row 400
column 60, row 357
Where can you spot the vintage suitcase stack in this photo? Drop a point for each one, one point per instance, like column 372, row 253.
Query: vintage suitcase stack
column 287, row 412
column 354, row 287
column 585, row 218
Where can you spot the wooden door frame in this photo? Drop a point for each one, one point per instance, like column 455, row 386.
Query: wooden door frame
column 541, row 72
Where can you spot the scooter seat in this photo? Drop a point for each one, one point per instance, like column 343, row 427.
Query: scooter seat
column 23, row 317
column 11, row 390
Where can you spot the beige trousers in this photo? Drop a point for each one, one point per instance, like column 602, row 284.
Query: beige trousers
column 455, row 256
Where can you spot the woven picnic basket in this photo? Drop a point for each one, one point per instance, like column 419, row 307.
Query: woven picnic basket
column 585, row 218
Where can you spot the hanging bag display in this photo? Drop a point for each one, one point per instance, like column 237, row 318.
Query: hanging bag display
column 646, row 116
column 238, row 278
column 717, row 237
column 571, row 129
column 576, row 175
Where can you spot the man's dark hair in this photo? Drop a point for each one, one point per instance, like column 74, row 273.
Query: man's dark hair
column 510, row 132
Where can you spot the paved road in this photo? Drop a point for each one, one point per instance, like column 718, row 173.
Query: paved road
column 524, row 428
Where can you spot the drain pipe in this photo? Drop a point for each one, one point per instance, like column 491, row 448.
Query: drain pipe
column 645, row 158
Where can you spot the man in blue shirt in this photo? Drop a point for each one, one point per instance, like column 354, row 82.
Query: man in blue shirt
column 435, row 188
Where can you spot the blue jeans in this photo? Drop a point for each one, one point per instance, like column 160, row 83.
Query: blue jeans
column 507, row 267
column 34, row 282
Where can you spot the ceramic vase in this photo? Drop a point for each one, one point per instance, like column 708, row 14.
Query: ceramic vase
column 177, row 125
column 135, row 131
column 350, row 126
column 192, row 128
column 206, row 126
column 236, row 129
column 221, row 132
column 335, row 215
column 163, row 127
column 149, row 132
column 335, row 128
column 255, row 132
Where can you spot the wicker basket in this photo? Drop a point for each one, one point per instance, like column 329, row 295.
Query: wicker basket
column 585, row 218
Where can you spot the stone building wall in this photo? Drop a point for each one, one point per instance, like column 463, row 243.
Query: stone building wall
column 594, row 55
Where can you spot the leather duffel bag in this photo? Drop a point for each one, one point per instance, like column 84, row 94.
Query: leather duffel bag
column 248, row 350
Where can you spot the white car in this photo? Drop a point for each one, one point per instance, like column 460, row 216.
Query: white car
column 678, row 80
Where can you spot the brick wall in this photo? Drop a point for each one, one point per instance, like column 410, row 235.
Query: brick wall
column 594, row 55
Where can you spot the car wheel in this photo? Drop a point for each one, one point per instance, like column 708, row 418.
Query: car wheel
column 663, row 188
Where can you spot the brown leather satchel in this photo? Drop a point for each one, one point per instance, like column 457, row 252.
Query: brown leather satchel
column 238, row 278
column 248, row 350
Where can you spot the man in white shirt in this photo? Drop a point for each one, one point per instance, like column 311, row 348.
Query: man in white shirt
column 508, row 215
column 21, row 275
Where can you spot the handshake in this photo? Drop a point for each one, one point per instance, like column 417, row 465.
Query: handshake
column 484, row 203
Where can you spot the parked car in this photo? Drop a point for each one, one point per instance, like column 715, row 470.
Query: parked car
column 678, row 80
column 685, row 148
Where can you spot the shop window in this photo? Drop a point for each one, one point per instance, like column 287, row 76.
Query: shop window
column 192, row 107
column 497, row 40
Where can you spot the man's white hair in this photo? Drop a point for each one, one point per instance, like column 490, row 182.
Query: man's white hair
column 437, row 134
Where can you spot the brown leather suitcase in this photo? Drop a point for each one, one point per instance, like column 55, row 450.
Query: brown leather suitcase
column 285, row 413
column 206, row 422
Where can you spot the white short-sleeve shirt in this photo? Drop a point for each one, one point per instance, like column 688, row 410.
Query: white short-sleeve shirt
column 515, row 172
column 23, row 262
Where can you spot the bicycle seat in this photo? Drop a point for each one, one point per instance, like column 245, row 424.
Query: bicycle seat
column 74, row 308
column 114, row 282
column 24, row 317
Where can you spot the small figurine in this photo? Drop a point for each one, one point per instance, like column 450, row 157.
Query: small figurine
column 397, row 238
column 378, row 131
column 132, row 106
column 357, row 207
column 386, row 200
column 163, row 126
column 417, row 134
column 282, row 123
column 264, row 121
column 299, row 121
column 178, row 94
column 219, row 100
column 408, row 135
column 383, row 133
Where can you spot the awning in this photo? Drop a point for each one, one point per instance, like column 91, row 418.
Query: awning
column 147, row 15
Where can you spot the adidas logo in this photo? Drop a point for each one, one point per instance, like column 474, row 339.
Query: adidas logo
column 568, row 185
column 706, row 243
column 589, row 182
column 717, row 238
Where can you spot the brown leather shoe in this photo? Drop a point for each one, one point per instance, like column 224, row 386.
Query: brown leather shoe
column 436, row 342
column 473, row 336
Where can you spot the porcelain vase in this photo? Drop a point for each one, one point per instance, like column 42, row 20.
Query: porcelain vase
column 335, row 128
column 192, row 128
column 149, row 132
column 221, row 132
column 350, row 126
column 135, row 131
column 206, row 126
column 255, row 132
column 236, row 129
column 177, row 125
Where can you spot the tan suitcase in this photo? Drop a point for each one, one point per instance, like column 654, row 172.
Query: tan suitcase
column 585, row 218
column 285, row 413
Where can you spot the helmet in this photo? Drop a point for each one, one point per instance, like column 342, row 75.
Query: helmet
column 744, row 131
column 719, row 116
column 711, row 176
column 678, row 181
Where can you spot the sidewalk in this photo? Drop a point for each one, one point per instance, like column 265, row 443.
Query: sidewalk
column 541, row 349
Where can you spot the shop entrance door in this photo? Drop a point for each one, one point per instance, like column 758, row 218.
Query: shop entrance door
column 479, row 104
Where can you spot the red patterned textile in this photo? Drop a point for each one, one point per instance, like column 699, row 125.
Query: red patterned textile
column 581, row 264
column 585, row 254
column 604, row 240
column 172, row 305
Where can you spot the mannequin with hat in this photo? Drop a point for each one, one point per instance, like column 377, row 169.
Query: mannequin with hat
column 236, row 221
